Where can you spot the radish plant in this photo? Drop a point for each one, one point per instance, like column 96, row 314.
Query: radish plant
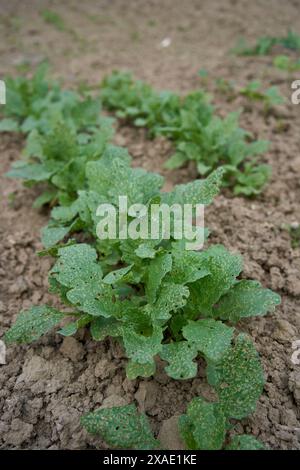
column 64, row 131
column 198, row 134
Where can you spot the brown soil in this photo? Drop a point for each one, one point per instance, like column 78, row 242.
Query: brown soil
column 47, row 386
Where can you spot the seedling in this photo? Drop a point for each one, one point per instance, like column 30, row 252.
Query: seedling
column 284, row 62
column 54, row 19
column 294, row 231
column 270, row 97
column 265, row 44
column 226, row 87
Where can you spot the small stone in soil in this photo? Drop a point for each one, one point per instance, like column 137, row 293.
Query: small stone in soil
column 2, row 353
column 169, row 435
column 72, row 349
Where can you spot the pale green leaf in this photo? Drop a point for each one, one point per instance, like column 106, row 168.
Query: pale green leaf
column 32, row 324
column 170, row 298
column 29, row 171
column 203, row 426
column 223, row 267
column 212, row 338
column 134, row 370
column 9, row 125
column 198, row 191
column 244, row 442
column 103, row 327
column 72, row 327
column 180, row 357
column 141, row 348
column 246, row 299
column 157, row 270
column 121, row 427
column 116, row 276
column 238, row 378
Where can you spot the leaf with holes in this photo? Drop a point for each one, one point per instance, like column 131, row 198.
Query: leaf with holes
column 121, row 427
column 180, row 357
column 171, row 298
column 210, row 337
column 33, row 323
column 223, row 267
column 77, row 270
column 244, row 442
column 134, row 370
column 187, row 267
column 157, row 270
column 246, row 299
column 238, row 378
column 204, row 425
column 141, row 348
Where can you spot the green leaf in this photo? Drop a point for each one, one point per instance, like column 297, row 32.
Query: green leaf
column 177, row 160
column 197, row 192
column 141, row 348
column 244, row 442
column 9, row 125
column 223, row 267
column 285, row 62
column 259, row 146
column 187, row 267
column 203, row 169
column 34, row 147
column 171, row 298
column 111, row 176
column 145, row 251
column 32, row 324
column 180, row 357
column 157, row 269
column 185, row 427
column 246, row 299
column 134, row 370
column 203, row 427
column 103, row 327
column 116, row 276
column 238, row 378
column 45, row 198
column 210, row 337
column 252, row 179
column 64, row 214
column 273, row 96
column 51, row 235
column 121, row 427
column 76, row 264
column 29, row 171
column 78, row 270
column 72, row 327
